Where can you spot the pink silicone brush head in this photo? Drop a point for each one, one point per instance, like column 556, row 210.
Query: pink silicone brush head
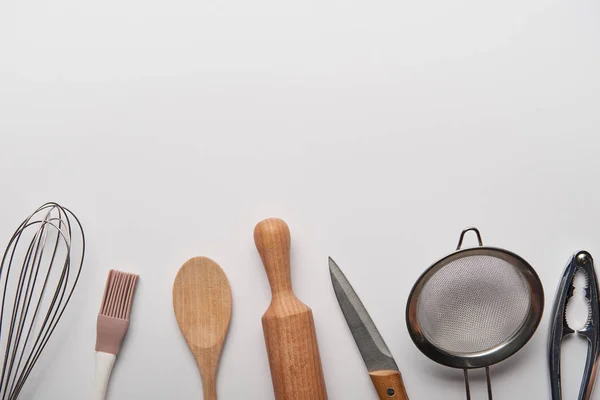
column 113, row 319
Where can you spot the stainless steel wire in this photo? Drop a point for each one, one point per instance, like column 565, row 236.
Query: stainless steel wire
column 40, row 268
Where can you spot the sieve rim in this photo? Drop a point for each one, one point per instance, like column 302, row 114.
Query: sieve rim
column 504, row 349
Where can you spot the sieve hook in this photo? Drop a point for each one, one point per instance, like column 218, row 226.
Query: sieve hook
column 462, row 236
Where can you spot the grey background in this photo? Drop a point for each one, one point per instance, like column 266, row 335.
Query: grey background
column 378, row 130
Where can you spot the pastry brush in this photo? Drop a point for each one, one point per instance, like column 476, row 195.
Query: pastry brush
column 113, row 321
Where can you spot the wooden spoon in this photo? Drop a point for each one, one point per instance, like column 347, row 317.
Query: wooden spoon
column 202, row 304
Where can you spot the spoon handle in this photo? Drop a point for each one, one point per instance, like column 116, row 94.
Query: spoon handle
column 209, row 386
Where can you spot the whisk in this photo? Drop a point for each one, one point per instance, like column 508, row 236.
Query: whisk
column 38, row 274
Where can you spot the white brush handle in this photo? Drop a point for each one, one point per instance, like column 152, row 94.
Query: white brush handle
column 104, row 366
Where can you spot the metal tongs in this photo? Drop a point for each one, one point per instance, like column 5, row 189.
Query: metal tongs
column 580, row 261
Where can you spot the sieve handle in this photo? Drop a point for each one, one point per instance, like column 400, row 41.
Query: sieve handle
column 389, row 385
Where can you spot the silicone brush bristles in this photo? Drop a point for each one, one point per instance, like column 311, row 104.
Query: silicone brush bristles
column 118, row 294
column 113, row 319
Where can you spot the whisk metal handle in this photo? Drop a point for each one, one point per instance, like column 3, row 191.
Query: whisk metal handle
column 104, row 366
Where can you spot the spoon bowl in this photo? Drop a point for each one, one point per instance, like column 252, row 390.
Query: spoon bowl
column 202, row 305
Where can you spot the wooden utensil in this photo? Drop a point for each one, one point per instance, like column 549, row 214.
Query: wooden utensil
column 202, row 304
column 288, row 323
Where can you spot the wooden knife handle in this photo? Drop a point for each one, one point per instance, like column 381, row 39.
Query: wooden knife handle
column 272, row 238
column 389, row 385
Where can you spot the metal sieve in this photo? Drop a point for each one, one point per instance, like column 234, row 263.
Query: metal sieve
column 474, row 308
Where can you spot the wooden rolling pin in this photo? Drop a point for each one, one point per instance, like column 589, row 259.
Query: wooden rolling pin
column 288, row 323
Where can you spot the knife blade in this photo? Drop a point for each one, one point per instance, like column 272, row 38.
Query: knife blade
column 380, row 363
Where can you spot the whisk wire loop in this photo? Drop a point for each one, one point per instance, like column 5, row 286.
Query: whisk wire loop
column 39, row 270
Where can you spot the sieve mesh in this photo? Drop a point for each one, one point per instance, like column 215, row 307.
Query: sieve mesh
column 473, row 304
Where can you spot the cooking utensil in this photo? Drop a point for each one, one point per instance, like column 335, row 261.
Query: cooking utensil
column 112, row 325
column 39, row 271
column 474, row 308
column 581, row 261
column 377, row 356
column 288, row 323
column 202, row 304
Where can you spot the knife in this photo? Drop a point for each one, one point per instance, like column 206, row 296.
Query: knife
column 379, row 360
